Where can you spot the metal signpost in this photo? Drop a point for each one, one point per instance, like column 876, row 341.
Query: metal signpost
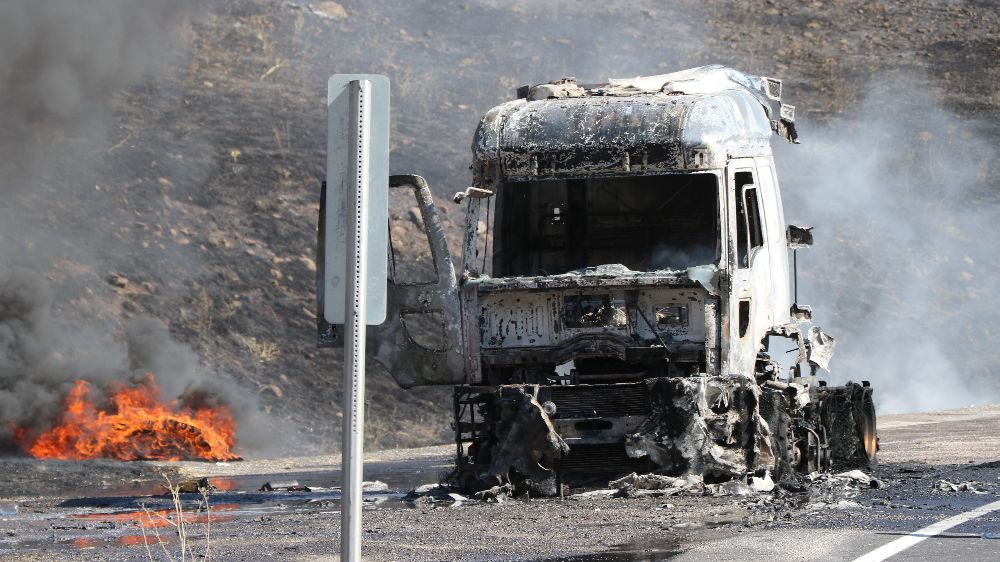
column 356, row 248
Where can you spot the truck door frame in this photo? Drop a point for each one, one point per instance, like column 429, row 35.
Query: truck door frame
column 750, row 289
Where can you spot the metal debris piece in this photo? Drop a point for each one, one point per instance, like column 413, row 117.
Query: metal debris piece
column 434, row 494
column 820, row 347
column 526, row 436
column 856, row 476
column 476, row 192
column 557, row 89
column 762, row 483
column 836, row 490
column 496, row 494
column 969, row 486
column 284, row 486
column 656, row 485
column 731, row 488
column 593, row 495
column 374, row 486
column 458, row 498
column 425, row 489
column 653, row 482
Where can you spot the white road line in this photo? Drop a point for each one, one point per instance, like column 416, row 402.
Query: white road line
column 902, row 543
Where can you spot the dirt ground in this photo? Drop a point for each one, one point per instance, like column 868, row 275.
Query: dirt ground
column 90, row 511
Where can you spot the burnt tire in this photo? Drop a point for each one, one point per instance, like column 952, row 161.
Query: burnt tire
column 864, row 416
column 774, row 407
column 848, row 413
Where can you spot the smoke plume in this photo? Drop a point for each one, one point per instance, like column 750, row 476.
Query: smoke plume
column 904, row 264
column 60, row 60
column 63, row 63
column 40, row 358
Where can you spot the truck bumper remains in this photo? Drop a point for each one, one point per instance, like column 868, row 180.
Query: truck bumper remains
column 539, row 436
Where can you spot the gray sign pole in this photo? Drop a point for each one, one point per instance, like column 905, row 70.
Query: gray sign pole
column 354, row 342
column 356, row 245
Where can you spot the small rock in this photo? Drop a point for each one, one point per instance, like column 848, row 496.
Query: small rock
column 194, row 486
column 116, row 279
column 330, row 10
column 308, row 262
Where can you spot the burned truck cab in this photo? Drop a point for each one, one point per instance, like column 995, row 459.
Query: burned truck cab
column 628, row 220
column 625, row 261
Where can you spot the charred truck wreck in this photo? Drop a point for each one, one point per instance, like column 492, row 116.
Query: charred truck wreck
column 625, row 267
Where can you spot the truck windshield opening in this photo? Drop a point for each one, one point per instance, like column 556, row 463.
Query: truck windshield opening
column 647, row 223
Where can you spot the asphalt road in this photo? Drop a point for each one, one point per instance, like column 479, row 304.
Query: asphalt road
column 918, row 451
column 933, row 467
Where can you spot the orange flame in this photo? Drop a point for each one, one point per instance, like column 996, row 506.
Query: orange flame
column 137, row 425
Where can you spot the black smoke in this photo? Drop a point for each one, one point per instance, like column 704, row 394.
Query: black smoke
column 61, row 60
column 64, row 65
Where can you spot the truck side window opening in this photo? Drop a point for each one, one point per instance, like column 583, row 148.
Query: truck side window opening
column 754, row 227
column 484, row 236
column 742, row 249
column 410, row 259
column 645, row 223
column 744, row 317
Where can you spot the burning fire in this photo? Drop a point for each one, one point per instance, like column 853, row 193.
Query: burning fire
column 136, row 425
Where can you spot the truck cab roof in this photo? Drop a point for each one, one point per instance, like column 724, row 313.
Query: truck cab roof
column 683, row 121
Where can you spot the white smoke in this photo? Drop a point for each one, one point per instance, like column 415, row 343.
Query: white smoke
column 904, row 268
